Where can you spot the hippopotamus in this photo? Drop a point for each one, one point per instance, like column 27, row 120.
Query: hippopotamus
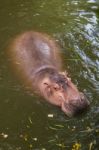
column 36, row 57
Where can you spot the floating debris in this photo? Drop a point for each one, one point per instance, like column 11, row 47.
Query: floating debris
column 97, row 130
column 28, row 126
column 25, row 137
column 52, row 128
column 88, row 130
column 56, row 127
column 61, row 145
column 52, row 140
column 59, row 125
column 30, row 120
column 76, row 146
column 74, row 128
column 4, row 135
column 92, row 144
column 50, row 115
column 35, row 139
column 31, row 146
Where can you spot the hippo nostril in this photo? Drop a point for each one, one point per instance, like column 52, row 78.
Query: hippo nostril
column 82, row 100
column 84, row 103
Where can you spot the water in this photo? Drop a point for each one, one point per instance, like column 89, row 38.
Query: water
column 26, row 123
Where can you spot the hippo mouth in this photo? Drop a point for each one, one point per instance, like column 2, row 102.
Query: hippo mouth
column 71, row 109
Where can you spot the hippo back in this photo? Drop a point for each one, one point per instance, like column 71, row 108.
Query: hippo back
column 32, row 50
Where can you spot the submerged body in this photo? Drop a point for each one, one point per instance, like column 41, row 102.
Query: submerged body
column 35, row 57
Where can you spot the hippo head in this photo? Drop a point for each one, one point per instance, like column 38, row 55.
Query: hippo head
column 58, row 89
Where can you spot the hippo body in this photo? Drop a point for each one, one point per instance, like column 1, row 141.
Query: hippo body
column 36, row 59
column 32, row 52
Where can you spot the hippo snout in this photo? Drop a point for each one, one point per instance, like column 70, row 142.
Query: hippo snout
column 76, row 106
column 80, row 102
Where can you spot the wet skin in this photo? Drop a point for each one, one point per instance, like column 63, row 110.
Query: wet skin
column 36, row 59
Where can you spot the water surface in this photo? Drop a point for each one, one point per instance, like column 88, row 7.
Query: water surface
column 25, row 123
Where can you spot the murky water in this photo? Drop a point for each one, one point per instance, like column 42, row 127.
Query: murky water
column 26, row 123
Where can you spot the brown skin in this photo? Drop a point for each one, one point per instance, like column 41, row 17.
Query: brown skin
column 62, row 92
column 35, row 57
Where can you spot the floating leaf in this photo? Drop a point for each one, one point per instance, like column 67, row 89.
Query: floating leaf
column 59, row 125
column 53, row 128
column 88, row 130
column 76, row 146
column 90, row 146
column 53, row 140
column 30, row 120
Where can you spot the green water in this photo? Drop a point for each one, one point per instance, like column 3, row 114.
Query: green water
column 24, row 119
